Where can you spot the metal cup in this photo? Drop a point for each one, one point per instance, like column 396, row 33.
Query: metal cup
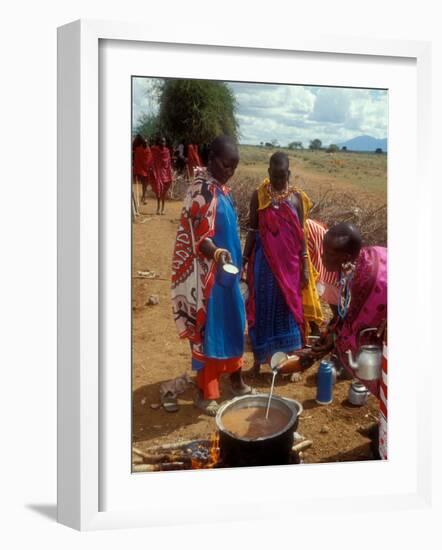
column 227, row 275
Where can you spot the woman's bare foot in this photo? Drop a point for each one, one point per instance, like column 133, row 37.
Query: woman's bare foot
column 238, row 386
column 208, row 406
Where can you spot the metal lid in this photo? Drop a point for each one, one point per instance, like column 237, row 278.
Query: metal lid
column 358, row 387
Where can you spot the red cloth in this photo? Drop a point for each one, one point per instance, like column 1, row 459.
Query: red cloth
column 193, row 158
column 142, row 161
column 207, row 378
column 316, row 232
column 162, row 171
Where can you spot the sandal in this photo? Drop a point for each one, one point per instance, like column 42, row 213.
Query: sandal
column 208, row 406
column 169, row 402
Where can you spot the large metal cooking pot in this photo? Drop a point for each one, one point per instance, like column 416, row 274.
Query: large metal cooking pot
column 270, row 450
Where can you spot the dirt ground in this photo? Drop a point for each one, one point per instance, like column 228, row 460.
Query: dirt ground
column 158, row 355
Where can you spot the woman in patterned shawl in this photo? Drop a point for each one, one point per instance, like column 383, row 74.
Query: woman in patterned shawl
column 282, row 298
column 363, row 293
column 209, row 315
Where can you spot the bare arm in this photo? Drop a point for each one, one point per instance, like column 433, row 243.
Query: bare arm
column 208, row 248
column 252, row 227
column 305, row 272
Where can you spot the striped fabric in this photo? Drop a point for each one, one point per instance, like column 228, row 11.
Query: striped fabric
column 316, row 233
column 383, row 407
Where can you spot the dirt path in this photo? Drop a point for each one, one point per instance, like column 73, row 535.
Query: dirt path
column 159, row 355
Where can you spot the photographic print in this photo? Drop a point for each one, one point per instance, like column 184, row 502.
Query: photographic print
column 259, row 274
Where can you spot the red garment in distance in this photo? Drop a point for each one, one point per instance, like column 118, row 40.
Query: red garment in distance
column 142, row 161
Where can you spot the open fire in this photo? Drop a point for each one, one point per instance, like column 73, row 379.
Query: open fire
column 206, row 456
column 192, row 455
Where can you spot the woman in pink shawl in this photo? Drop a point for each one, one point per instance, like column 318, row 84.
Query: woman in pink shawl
column 162, row 172
column 276, row 258
column 363, row 292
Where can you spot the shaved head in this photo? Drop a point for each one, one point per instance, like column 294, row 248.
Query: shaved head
column 345, row 237
column 342, row 243
column 279, row 160
column 223, row 158
column 222, row 143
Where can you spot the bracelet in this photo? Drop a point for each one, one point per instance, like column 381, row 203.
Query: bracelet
column 216, row 254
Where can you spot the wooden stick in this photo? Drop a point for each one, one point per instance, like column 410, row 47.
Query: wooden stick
column 302, row 446
column 166, row 467
column 178, row 445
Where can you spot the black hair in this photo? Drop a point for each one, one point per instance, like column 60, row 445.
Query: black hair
column 279, row 159
column 346, row 238
column 220, row 144
column 139, row 140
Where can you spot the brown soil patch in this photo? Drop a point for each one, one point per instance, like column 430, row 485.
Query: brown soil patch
column 159, row 355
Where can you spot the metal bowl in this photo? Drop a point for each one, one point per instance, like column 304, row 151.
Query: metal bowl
column 291, row 406
column 268, row 450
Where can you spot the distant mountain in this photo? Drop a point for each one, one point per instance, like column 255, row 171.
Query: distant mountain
column 364, row 143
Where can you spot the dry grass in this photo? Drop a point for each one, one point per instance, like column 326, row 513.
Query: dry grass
column 343, row 186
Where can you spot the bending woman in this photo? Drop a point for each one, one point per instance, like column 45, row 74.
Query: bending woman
column 362, row 293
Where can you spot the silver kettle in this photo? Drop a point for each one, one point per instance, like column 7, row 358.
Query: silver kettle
column 367, row 364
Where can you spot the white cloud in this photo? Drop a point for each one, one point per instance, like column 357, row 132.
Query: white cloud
column 294, row 113
column 143, row 97
column 331, row 105
column 302, row 113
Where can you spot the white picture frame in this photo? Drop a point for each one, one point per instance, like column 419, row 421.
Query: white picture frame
column 80, row 260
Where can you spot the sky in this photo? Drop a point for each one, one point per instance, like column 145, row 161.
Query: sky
column 287, row 113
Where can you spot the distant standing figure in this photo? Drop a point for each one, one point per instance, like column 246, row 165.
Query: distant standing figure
column 162, row 172
column 193, row 159
column 142, row 164
column 180, row 159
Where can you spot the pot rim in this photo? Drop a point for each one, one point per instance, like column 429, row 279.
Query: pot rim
column 227, row 404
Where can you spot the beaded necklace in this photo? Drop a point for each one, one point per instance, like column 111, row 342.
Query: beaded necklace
column 346, row 275
column 277, row 197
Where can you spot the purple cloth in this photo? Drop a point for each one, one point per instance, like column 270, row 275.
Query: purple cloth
column 368, row 306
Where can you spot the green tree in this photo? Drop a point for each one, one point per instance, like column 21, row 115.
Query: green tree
column 196, row 111
column 315, row 144
column 295, row 145
column 332, row 148
column 148, row 126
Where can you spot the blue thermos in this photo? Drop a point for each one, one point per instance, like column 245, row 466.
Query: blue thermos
column 324, row 391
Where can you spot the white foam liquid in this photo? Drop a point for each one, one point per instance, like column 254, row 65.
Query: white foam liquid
column 270, row 394
column 231, row 269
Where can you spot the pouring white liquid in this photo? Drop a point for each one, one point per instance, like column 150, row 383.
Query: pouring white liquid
column 275, row 372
